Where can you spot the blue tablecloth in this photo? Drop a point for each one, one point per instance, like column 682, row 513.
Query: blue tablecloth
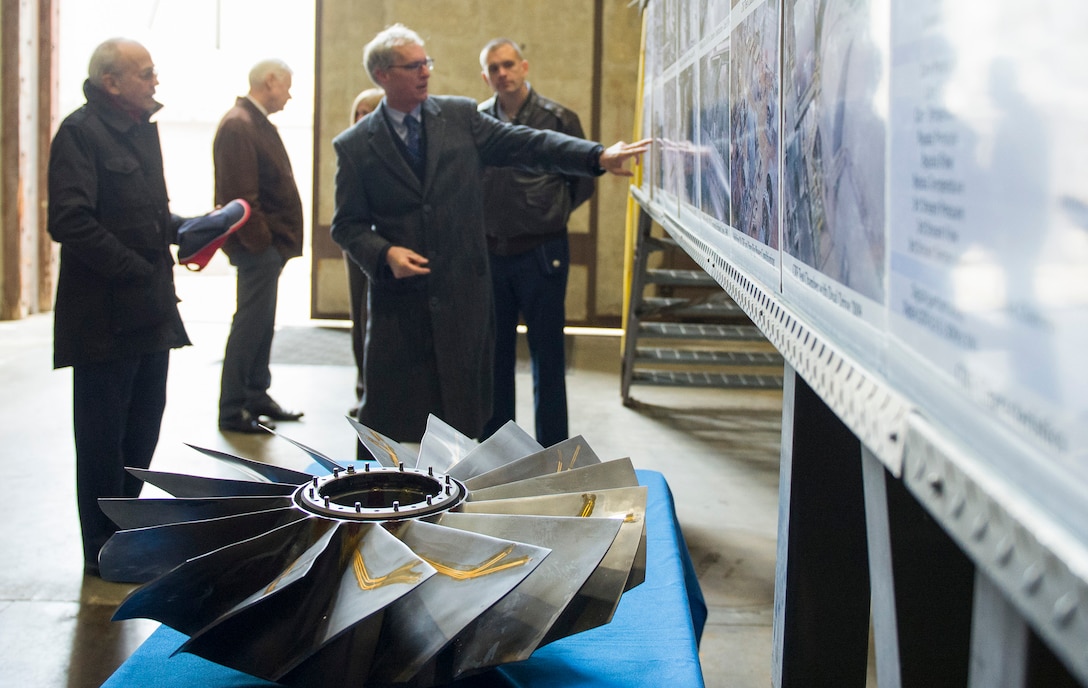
column 652, row 640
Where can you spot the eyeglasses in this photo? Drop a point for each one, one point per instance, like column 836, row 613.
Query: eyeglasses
column 148, row 74
column 415, row 66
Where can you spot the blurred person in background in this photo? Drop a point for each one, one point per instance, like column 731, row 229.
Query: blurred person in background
column 365, row 103
column 251, row 163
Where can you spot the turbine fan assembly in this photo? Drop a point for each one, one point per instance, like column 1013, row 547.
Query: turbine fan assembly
column 409, row 570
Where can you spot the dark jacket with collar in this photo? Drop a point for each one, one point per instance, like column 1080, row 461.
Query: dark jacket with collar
column 381, row 202
column 109, row 210
column 521, row 209
column 251, row 163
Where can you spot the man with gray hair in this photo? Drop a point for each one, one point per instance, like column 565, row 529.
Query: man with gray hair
column 251, row 163
column 116, row 316
column 409, row 211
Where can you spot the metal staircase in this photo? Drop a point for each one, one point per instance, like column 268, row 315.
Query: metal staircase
column 683, row 330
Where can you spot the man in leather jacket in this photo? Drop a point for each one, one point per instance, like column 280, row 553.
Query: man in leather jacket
column 116, row 315
column 251, row 163
column 526, row 224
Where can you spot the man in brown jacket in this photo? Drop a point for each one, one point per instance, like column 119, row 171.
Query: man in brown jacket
column 251, row 163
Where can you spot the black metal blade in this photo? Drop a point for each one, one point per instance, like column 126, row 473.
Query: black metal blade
column 638, row 567
column 325, row 462
column 129, row 513
column 137, row 556
column 564, row 456
column 346, row 584
column 601, row 476
column 233, row 572
column 246, row 469
column 183, row 485
column 342, row 661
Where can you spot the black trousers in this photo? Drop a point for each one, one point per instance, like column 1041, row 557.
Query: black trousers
column 532, row 285
column 246, row 375
column 117, row 413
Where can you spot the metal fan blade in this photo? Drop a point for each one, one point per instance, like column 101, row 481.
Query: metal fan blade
column 183, row 485
column 474, row 572
column 514, row 627
column 341, row 662
column 385, row 451
column 350, row 582
column 234, row 572
column 137, row 556
column 325, row 462
column 601, row 476
column 246, row 469
column 442, row 445
column 300, row 603
column 598, row 598
column 129, row 513
column 381, row 570
column 392, row 575
column 637, row 576
column 563, row 456
column 510, row 442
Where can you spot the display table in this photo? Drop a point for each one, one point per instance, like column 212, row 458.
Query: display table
column 652, row 640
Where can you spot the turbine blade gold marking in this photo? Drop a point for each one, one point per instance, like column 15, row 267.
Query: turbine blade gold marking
column 402, row 574
column 385, row 445
column 272, row 586
column 492, row 565
column 573, row 460
column 588, row 502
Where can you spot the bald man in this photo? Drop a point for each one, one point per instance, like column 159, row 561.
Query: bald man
column 116, row 317
column 251, row 163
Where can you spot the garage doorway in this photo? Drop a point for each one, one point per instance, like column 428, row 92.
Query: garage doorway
column 203, row 51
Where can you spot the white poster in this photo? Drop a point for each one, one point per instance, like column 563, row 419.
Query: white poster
column 753, row 121
column 834, row 93
column 989, row 207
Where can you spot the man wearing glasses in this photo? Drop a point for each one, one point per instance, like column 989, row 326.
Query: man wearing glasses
column 116, row 315
column 409, row 211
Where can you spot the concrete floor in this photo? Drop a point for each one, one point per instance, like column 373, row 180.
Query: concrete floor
column 718, row 450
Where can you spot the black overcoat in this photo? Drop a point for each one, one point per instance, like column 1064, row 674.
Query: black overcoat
column 109, row 210
column 381, row 202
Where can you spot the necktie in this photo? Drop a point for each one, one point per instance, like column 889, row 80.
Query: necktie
column 415, row 149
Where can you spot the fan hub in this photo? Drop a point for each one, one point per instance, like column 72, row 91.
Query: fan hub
column 380, row 493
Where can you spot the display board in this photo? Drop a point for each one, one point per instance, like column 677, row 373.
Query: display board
column 905, row 179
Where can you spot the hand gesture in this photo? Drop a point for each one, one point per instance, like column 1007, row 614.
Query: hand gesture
column 613, row 158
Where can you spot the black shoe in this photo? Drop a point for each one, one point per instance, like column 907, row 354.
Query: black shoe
column 246, row 423
column 270, row 409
